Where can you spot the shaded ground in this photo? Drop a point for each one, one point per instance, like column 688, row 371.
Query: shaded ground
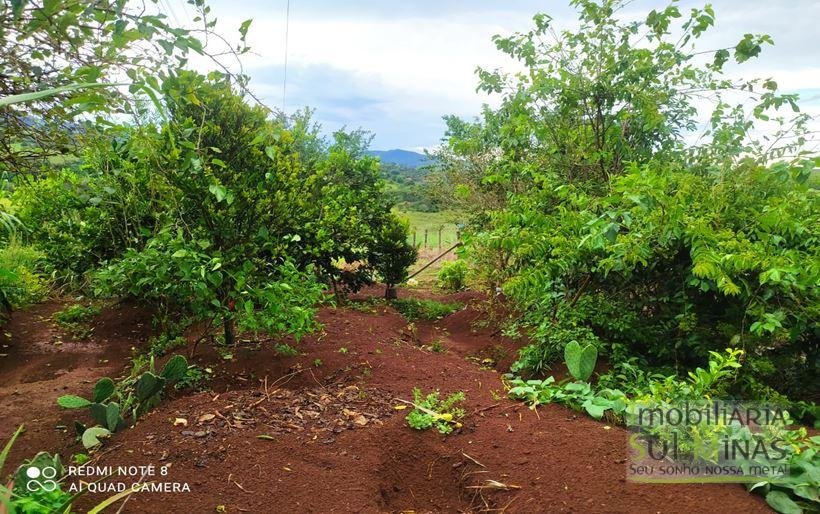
column 332, row 440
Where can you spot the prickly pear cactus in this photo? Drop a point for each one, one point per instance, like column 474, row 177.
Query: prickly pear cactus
column 148, row 385
column 103, row 390
column 175, row 368
column 580, row 361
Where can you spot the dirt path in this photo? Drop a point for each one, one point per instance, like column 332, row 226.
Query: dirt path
column 332, row 440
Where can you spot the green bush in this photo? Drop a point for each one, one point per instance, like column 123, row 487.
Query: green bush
column 452, row 276
column 590, row 208
column 20, row 282
column 80, row 218
column 548, row 347
column 188, row 278
column 391, row 255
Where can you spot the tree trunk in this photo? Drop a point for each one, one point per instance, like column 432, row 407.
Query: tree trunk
column 390, row 293
column 230, row 336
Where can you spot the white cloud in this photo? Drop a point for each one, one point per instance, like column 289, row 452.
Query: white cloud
column 416, row 60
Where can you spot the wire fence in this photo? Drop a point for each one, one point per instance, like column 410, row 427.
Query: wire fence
column 435, row 238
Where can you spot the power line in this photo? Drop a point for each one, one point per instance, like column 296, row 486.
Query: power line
column 170, row 9
column 285, row 78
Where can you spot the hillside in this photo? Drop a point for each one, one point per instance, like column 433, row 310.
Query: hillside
column 401, row 157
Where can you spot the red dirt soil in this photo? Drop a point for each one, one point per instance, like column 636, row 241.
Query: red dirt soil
column 332, row 439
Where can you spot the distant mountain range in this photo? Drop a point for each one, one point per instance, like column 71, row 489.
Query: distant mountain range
column 401, row 157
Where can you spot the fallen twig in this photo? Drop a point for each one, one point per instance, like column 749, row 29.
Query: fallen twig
column 494, row 484
column 472, row 459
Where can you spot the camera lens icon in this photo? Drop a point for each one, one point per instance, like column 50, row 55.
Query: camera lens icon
column 41, row 478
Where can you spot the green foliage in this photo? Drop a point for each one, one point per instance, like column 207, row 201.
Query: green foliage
column 430, row 411
column 392, row 255
column 253, row 213
column 452, row 276
column 580, row 361
column 436, row 346
column 195, row 378
column 75, row 319
column 29, row 497
column 803, row 482
column 189, row 279
column 60, row 79
column 286, row 350
column 134, row 395
column 800, row 490
column 79, row 219
column 714, row 380
column 548, row 348
column 576, row 395
column 23, row 497
column 629, row 376
column 406, row 187
column 166, row 342
column 589, row 209
column 76, row 313
column 20, row 281
column 414, row 309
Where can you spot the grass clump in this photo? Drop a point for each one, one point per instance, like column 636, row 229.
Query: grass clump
column 431, row 310
column 75, row 319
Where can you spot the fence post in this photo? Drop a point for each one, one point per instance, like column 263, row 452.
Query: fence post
column 439, row 238
column 425, row 238
column 414, row 238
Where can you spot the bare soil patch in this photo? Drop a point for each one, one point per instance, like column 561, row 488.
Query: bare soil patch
column 319, row 432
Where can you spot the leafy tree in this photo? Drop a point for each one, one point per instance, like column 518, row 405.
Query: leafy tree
column 82, row 217
column 392, row 254
column 69, row 49
column 591, row 210
column 246, row 222
column 342, row 207
column 234, row 180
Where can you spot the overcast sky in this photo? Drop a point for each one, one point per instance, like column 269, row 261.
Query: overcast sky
column 396, row 67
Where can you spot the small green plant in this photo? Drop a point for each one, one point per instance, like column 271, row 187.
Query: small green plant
column 629, row 376
column 286, row 350
column 343, row 350
column 317, row 363
column 580, row 361
column 75, row 314
column 576, row 395
column 75, row 320
column 367, row 306
column 164, row 343
column 135, row 395
column 80, row 458
column 195, row 378
column 550, row 340
column 452, row 276
column 797, row 492
column 414, row 309
column 437, row 346
column 430, row 412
